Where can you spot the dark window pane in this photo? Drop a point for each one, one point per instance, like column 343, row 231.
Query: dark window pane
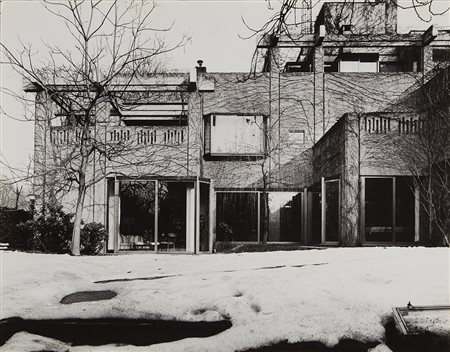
column 378, row 210
column 204, row 217
column 282, row 211
column 175, row 227
column 332, row 211
column 137, row 214
column 237, row 216
column 315, row 214
column 404, row 209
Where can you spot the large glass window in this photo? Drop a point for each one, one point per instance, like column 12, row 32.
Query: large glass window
column 404, row 210
column 383, row 222
column 137, row 215
column 284, row 212
column 176, row 226
column 358, row 63
column 332, row 211
column 315, row 216
column 204, row 217
column 237, row 216
column 236, row 135
column 378, row 209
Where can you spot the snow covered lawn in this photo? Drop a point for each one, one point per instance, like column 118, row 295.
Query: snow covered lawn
column 314, row 295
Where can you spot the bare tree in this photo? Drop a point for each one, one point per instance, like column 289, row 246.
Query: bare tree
column 292, row 19
column 291, row 23
column 114, row 44
column 424, row 147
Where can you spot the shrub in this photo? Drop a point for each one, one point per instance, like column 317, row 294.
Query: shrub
column 10, row 232
column 50, row 232
column 93, row 236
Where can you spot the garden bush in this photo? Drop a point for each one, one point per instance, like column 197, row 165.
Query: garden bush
column 9, row 230
column 51, row 232
column 93, row 236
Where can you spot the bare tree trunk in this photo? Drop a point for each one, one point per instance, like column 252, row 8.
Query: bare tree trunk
column 76, row 233
column 18, row 192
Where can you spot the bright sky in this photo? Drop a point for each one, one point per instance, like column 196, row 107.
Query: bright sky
column 214, row 27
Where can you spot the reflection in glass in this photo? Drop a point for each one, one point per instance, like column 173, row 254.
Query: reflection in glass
column 237, row 216
column 284, row 210
column 315, row 214
column 378, row 210
column 137, row 215
column 332, row 211
column 404, row 210
column 176, row 202
column 204, row 217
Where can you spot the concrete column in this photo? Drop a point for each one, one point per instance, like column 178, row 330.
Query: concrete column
column 42, row 105
column 116, row 215
column 323, row 198
column 391, row 17
column 197, row 216
column 275, row 118
column 305, row 216
column 319, row 77
column 427, row 60
column 212, row 216
column 427, row 52
column 416, row 213
column 350, row 188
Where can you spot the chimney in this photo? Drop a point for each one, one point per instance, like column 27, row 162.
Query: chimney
column 200, row 68
column 204, row 84
column 391, row 17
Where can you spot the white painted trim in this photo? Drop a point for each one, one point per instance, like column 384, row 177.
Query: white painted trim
column 212, row 216
column 416, row 214
column 156, row 215
column 323, row 209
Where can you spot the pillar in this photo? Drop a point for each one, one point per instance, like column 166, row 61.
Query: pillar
column 350, row 186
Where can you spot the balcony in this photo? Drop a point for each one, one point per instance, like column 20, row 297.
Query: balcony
column 385, row 124
column 174, row 135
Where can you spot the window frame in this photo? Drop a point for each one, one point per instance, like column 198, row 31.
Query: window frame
column 207, row 139
column 359, row 57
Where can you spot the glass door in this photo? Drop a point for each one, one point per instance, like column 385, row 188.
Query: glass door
column 137, row 215
column 332, row 211
column 176, row 216
column 405, row 209
column 205, row 220
column 284, row 217
column 378, row 212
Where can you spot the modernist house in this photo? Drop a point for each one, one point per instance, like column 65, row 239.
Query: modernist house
column 298, row 150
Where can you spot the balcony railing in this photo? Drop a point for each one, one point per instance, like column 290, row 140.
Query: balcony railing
column 384, row 125
column 127, row 135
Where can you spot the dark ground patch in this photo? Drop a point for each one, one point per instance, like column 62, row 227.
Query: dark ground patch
column 303, row 265
column 270, row 267
column 313, row 346
column 241, row 248
column 99, row 332
column 424, row 342
column 134, row 279
column 88, row 296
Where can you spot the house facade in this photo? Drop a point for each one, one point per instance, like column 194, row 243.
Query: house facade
column 300, row 151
